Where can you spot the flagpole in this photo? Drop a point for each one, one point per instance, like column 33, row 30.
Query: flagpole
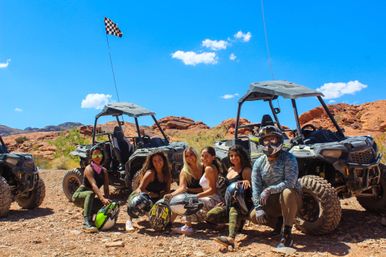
column 112, row 68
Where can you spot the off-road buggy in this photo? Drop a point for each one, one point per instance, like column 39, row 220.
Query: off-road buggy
column 19, row 180
column 124, row 156
column 332, row 166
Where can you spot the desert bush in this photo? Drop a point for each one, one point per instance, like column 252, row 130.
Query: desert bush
column 21, row 139
column 200, row 139
column 67, row 142
column 381, row 142
column 63, row 163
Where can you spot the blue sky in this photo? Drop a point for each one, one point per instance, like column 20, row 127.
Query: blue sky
column 183, row 58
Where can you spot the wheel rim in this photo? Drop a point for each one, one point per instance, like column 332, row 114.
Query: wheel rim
column 310, row 210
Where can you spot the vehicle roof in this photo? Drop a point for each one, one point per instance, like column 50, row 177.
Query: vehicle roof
column 119, row 108
column 272, row 89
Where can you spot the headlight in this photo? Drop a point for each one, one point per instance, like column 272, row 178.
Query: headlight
column 332, row 153
column 12, row 161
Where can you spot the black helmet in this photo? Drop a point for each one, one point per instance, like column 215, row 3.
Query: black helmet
column 138, row 204
column 269, row 147
column 160, row 215
column 185, row 204
column 235, row 196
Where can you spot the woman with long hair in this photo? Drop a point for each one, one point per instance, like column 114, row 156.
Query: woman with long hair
column 208, row 182
column 95, row 175
column 155, row 181
column 239, row 172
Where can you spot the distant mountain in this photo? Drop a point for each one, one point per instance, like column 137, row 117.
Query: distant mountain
column 5, row 131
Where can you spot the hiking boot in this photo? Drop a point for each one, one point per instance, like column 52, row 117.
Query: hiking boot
column 286, row 238
column 88, row 227
column 225, row 241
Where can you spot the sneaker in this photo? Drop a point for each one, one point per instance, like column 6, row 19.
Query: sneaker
column 225, row 241
column 184, row 230
column 129, row 226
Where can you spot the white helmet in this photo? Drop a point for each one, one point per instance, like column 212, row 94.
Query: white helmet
column 185, row 204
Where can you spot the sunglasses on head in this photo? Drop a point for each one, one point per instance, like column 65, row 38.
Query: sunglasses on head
column 97, row 155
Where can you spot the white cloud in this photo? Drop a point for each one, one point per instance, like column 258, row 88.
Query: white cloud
column 232, row 57
column 17, row 109
column 97, row 101
column 215, row 45
column 5, row 65
column 243, row 36
column 229, row 96
column 331, row 101
column 193, row 58
column 336, row 90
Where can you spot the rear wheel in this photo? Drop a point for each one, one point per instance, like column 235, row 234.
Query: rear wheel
column 321, row 211
column 5, row 197
column 34, row 198
column 71, row 181
column 377, row 203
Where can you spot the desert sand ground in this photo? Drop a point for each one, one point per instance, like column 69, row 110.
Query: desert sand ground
column 54, row 229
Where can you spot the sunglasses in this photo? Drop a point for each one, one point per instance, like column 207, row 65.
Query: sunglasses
column 268, row 141
column 97, row 155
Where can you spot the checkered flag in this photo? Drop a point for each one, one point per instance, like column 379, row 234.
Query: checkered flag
column 112, row 28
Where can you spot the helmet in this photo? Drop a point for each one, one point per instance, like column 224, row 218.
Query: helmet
column 271, row 148
column 185, row 204
column 160, row 215
column 235, row 196
column 107, row 216
column 138, row 204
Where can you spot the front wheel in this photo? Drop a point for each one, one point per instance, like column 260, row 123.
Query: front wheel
column 5, row 197
column 376, row 203
column 321, row 211
column 34, row 198
column 71, row 181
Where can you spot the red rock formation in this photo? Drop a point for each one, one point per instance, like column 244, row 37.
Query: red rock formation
column 180, row 123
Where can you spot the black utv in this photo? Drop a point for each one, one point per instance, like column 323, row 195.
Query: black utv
column 19, row 181
column 332, row 166
column 124, row 156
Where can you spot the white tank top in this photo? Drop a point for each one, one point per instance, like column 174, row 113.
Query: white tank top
column 204, row 182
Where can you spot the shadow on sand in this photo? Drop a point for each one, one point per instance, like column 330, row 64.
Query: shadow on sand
column 24, row 214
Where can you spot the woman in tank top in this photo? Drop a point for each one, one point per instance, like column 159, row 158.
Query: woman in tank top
column 240, row 172
column 95, row 175
column 208, row 181
column 155, row 181
column 189, row 181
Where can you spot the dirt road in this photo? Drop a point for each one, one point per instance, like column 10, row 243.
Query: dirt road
column 54, row 230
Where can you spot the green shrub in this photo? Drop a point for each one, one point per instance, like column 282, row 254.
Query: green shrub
column 202, row 138
column 21, row 139
column 67, row 142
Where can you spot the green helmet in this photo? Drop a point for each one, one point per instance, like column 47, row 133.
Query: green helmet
column 107, row 216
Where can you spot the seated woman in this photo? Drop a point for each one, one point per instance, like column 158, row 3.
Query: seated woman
column 94, row 177
column 189, row 178
column 155, row 183
column 208, row 181
column 240, row 172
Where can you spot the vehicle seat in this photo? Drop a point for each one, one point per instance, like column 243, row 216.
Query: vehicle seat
column 121, row 146
column 266, row 120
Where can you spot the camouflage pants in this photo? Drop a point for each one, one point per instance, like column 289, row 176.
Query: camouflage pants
column 209, row 203
column 234, row 217
column 85, row 198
